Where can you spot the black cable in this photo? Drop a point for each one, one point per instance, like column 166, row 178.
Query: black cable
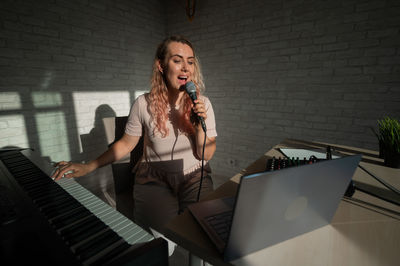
column 380, row 180
column 202, row 166
column 376, row 195
column 383, row 182
column 372, row 207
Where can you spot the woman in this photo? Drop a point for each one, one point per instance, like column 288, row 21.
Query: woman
column 168, row 177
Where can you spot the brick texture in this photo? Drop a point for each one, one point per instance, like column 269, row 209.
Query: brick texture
column 314, row 70
column 64, row 65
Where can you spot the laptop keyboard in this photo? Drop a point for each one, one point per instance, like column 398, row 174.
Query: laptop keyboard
column 221, row 223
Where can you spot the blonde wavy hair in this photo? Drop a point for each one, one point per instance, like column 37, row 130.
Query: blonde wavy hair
column 158, row 96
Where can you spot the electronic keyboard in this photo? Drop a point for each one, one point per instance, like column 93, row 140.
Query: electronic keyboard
column 45, row 222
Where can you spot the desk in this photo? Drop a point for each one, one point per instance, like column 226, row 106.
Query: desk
column 364, row 231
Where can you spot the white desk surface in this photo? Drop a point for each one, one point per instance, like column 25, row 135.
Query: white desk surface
column 364, row 231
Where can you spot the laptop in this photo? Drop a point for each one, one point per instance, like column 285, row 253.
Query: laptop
column 274, row 206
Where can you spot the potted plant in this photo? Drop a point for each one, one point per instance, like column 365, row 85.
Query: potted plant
column 389, row 141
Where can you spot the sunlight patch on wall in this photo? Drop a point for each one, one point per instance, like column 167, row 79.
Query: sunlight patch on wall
column 13, row 131
column 92, row 107
column 47, row 79
column 46, row 99
column 52, row 132
column 10, row 101
column 138, row 93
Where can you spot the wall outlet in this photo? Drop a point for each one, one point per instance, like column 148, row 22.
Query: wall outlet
column 232, row 162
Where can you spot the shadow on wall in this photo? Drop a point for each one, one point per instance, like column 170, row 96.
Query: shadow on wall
column 100, row 182
column 95, row 142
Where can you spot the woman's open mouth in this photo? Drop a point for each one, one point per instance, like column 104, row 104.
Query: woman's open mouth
column 182, row 79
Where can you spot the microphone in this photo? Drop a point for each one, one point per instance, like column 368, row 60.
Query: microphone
column 191, row 90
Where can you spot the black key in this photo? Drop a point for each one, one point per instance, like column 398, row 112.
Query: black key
column 83, row 229
column 97, row 244
column 112, row 254
column 70, row 217
column 53, row 209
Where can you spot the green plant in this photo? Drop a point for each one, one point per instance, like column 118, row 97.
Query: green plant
column 389, row 134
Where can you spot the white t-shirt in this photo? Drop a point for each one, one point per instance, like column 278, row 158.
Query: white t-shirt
column 173, row 154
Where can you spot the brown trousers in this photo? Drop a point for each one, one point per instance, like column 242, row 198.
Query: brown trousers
column 156, row 203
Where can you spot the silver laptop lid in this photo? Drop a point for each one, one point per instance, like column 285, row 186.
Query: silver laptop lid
column 275, row 206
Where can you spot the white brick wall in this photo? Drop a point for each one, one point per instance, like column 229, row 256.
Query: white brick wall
column 313, row 70
column 66, row 64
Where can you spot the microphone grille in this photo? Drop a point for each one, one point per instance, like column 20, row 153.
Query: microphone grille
column 190, row 87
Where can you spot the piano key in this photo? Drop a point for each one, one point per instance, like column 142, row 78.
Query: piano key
column 139, row 235
column 97, row 244
column 27, row 176
column 93, row 230
column 16, row 162
column 24, row 169
column 107, row 254
column 104, row 255
column 69, row 217
column 9, row 155
column 50, row 196
column 83, row 230
column 77, row 225
column 53, row 209
column 89, row 240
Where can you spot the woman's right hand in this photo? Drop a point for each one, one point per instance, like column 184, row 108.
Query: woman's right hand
column 117, row 151
column 70, row 170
